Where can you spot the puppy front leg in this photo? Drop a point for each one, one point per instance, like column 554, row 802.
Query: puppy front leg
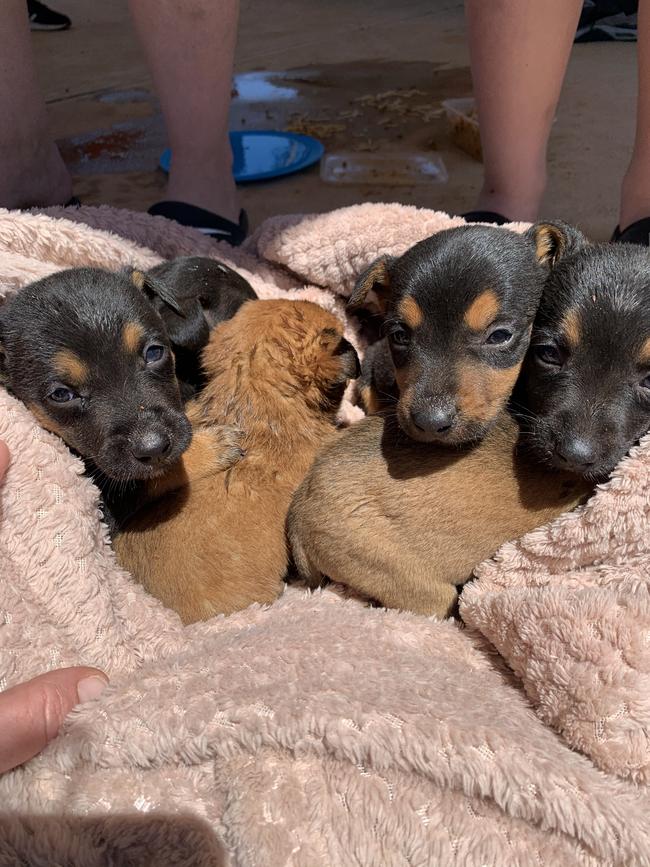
column 438, row 599
column 212, row 450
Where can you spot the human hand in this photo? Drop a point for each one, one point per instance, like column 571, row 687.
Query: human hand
column 31, row 713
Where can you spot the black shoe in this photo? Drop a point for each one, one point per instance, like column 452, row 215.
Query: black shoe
column 608, row 21
column 485, row 217
column 209, row 224
column 635, row 233
column 43, row 18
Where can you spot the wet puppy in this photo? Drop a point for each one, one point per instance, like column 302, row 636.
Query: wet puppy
column 457, row 310
column 192, row 294
column 405, row 523
column 584, row 395
column 276, row 371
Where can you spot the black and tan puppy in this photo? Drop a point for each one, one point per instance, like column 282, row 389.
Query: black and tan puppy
column 192, row 294
column 458, row 309
column 90, row 357
column 276, row 371
column 584, row 393
column 403, row 525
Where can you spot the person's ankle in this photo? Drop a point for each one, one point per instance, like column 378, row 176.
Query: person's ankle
column 516, row 203
column 635, row 200
column 34, row 177
column 206, row 184
column 515, row 210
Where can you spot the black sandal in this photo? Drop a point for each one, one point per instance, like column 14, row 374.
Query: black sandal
column 635, row 233
column 206, row 222
column 485, row 217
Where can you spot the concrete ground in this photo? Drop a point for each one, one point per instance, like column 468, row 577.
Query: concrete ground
column 340, row 63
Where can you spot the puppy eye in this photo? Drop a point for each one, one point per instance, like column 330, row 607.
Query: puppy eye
column 62, row 395
column 400, row 336
column 499, row 337
column 548, row 354
column 154, row 353
column 645, row 383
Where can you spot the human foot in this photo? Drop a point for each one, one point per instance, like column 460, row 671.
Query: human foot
column 33, row 177
column 204, row 183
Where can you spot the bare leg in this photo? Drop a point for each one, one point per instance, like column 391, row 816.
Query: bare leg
column 190, row 45
column 635, row 194
column 33, row 172
column 519, row 51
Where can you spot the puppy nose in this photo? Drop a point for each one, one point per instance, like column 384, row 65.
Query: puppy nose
column 152, row 444
column 434, row 419
column 578, row 453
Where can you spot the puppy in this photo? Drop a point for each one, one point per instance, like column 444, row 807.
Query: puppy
column 88, row 355
column 92, row 360
column 457, row 310
column 584, row 395
column 192, row 294
column 404, row 523
column 277, row 371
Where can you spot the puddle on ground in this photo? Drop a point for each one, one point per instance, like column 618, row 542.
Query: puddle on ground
column 265, row 87
column 125, row 96
column 370, row 106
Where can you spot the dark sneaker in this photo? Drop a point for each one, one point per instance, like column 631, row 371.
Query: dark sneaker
column 41, row 17
column 608, row 21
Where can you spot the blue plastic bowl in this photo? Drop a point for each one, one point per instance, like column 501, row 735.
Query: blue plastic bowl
column 259, row 155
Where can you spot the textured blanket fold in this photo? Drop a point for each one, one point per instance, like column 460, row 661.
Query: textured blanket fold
column 319, row 732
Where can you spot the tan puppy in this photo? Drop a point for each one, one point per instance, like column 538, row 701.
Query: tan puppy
column 277, row 371
column 403, row 523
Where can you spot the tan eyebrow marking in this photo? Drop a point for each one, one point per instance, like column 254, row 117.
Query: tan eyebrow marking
column 70, row 367
column 482, row 310
column 132, row 335
column 45, row 421
column 138, row 278
column 572, row 328
column 644, row 355
column 411, row 312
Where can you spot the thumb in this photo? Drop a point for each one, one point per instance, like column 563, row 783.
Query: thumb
column 31, row 714
column 4, row 459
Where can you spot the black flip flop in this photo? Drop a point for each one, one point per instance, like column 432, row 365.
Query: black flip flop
column 635, row 233
column 485, row 217
column 206, row 222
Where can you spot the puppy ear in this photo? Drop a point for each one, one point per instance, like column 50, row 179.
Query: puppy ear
column 553, row 241
column 336, row 348
column 350, row 364
column 192, row 332
column 185, row 324
column 152, row 287
column 372, row 288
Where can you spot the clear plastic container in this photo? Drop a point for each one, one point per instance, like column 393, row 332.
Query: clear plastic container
column 398, row 169
column 463, row 125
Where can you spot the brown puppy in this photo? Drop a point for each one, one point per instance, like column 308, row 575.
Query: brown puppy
column 404, row 523
column 277, row 371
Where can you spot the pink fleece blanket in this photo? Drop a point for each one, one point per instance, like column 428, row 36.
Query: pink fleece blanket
column 316, row 731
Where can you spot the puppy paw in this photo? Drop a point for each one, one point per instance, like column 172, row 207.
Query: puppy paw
column 213, row 449
column 222, row 447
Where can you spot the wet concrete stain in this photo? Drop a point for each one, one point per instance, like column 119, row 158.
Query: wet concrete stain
column 115, row 144
column 360, row 106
